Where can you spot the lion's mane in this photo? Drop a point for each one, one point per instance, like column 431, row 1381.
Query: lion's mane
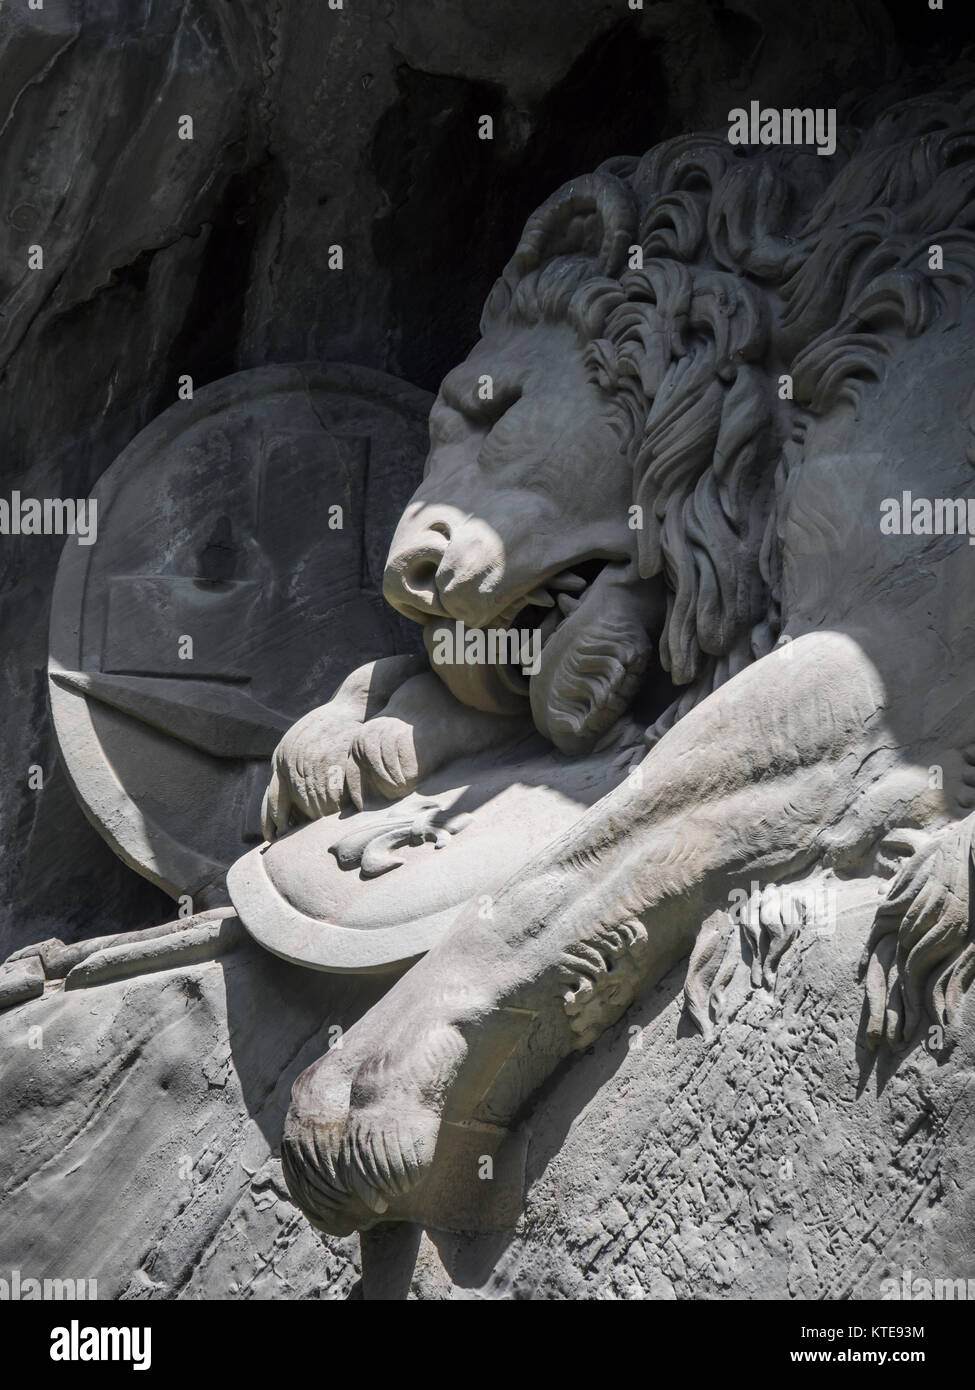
column 757, row 263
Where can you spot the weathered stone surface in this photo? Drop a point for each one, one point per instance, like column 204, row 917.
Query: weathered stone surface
column 777, row 1158
column 21, row 980
column 205, row 941
column 165, row 1101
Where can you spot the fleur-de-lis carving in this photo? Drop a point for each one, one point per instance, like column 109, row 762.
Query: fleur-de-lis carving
column 373, row 850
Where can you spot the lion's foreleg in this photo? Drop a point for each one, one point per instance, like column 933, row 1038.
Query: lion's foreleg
column 422, row 728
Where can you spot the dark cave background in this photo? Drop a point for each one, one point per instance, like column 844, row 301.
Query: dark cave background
column 312, row 126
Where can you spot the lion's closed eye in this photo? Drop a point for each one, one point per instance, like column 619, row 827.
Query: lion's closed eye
column 456, row 414
column 488, row 412
column 447, row 425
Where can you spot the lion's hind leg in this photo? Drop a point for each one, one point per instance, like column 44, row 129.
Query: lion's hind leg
column 920, row 958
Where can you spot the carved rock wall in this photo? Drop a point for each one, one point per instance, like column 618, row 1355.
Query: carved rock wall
column 775, row 1159
column 312, row 127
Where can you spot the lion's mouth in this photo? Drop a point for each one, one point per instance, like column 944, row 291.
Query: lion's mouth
column 536, row 617
column 574, row 649
column 492, row 666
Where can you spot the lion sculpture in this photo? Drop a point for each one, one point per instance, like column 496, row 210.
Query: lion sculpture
column 712, row 369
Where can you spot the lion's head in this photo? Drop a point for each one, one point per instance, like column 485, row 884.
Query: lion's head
column 606, row 463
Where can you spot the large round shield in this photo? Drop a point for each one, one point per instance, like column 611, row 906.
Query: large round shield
column 234, row 582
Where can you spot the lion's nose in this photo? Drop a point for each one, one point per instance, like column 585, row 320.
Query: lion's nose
column 410, row 580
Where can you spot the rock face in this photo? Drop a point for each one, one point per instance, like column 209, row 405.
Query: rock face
column 770, row 1162
column 168, row 1102
column 141, row 1119
column 606, row 1077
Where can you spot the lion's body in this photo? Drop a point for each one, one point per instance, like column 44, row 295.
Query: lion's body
column 822, row 666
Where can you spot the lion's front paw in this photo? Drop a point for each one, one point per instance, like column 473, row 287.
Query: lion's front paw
column 308, row 770
column 347, row 1169
column 360, row 1136
column 383, row 756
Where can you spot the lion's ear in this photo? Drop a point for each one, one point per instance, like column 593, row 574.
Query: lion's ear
column 594, row 216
